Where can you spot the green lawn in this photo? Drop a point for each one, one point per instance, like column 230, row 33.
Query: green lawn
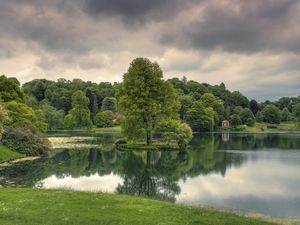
column 35, row 206
column 7, row 154
column 282, row 127
column 108, row 130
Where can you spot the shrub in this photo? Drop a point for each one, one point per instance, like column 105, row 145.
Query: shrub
column 24, row 140
column 104, row 119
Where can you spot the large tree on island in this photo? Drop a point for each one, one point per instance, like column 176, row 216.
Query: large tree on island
column 145, row 99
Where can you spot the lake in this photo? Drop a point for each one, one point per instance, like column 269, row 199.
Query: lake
column 249, row 173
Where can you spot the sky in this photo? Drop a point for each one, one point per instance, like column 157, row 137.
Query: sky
column 251, row 46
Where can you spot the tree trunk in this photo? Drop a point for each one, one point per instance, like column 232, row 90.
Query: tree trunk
column 149, row 138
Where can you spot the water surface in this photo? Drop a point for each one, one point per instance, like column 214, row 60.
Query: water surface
column 251, row 173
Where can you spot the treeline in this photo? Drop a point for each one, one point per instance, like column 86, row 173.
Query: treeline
column 78, row 104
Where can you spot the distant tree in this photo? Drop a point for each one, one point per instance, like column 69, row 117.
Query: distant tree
column 237, row 99
column 247, row 117
column 285, row 114
column 271, row 114
column 222, row 86
column 235, row 120
column 109, row 103
column 296, row 111
column 254, row 106
column 200, row 118
column 10, row 90
column 145, row 99
column 185, row 103
column 79, row 115
column 54, row 117
column 209, row 100
column 104, row 119
column 259, row 117
column 93, row 103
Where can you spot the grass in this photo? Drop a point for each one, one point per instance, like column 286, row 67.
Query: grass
column 36, row 206
column 107, row 130
column 265, row 127
column 6, row 154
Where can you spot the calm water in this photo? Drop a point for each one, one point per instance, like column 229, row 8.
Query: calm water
column 244, row 172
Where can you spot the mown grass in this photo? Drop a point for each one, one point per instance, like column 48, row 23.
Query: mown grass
column 107, row 130
column 269, row 128
column 6, row 154
column 36, row 206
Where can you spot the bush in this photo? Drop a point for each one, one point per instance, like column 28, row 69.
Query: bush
column 25, row 141
column 185, row 135
column 104, row 119
column 247, row 117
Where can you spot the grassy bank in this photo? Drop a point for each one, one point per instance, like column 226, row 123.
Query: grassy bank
column 7, row 154
column 269, row 128
column 29, row 206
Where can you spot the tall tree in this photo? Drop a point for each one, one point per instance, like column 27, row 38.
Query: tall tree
column 254, row 106
column 145, row 98
column 79, row 115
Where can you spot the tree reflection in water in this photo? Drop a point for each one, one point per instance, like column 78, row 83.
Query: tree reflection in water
column 151, row 174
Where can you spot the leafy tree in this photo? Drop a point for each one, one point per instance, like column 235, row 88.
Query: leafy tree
column 247, row 117
column 104, row 119
column 79, row 115
column 285, row 114
column 93, row 103
column 259, row 117
column 145, row 98
column 237, row 99
column 296, row 111
column 235, row 120
column 3, row 119
column 200, row 118
column 186, row 102
column 271, row 114
column 185, row 135
column 22, row 115
column 109, row 103
column 10, row 90
column 54, row 117
column 209, row 100
column 254, row 106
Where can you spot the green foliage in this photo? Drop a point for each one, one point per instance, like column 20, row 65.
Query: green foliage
column 259, row 117
column 235, row 120
column 104, row 119
column 271, row 114
column 3, row 119
column 25, row 141
column 247, row 117
column 296, row 112
column 21, row 115
column 285, row 114
column 185, row 135
column 209, row 100
column 185, row 101
column 10, row 90
column 110, row 104
column 54, row 117
column 254, row 106
column 93, row 102
column 167, row 125
column 200, row 118
column 79, row 115
column 145, row 98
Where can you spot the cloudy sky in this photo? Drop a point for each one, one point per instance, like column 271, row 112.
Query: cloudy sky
column 252, row 46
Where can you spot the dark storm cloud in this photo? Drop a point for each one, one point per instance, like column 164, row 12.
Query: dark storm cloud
column 240, row 25
column 135, row 11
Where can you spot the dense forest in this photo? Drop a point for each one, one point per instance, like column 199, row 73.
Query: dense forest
column 27, row 112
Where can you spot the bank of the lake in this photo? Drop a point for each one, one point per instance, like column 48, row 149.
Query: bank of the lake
column 6, row 154
column 36, row 206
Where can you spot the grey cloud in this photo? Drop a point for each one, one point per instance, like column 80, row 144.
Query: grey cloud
column 137, row 12
column 241, row 26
